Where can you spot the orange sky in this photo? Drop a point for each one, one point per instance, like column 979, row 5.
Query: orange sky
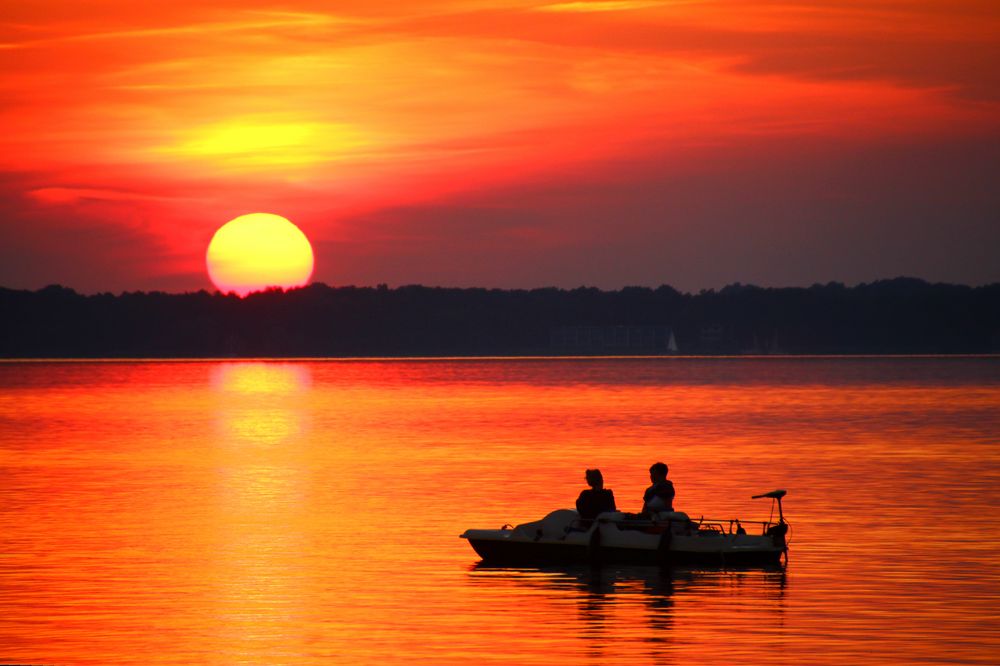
column 504, row 144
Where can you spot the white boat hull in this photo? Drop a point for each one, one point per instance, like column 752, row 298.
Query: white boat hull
column 561, row 537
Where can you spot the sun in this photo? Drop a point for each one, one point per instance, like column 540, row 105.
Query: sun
column 257, row 251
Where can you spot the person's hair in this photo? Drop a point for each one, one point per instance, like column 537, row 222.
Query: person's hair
column 594, row 478
column 660, row 468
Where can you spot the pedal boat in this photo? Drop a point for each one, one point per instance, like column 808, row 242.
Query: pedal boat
column 665, row 539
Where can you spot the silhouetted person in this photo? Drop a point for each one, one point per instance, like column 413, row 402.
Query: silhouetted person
column 659, row 496
column 596, row 499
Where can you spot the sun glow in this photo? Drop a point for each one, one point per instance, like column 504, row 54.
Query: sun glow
column 257, row 251
column 253, row 143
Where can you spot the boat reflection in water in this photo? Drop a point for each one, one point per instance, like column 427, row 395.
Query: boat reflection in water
column 647, row 612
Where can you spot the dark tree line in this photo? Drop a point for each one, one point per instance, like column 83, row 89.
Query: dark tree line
column 890, row 316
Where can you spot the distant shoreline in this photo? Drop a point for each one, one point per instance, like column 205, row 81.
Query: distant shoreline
column 900, row 317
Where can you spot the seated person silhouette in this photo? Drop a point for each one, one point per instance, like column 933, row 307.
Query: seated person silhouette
column 596, row 499
column 659, row 496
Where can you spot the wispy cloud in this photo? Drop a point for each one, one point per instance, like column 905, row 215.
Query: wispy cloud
column 605, row 6
column 72, row 195
column 250, row 22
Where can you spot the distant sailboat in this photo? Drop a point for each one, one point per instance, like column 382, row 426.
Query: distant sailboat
column 671, row 343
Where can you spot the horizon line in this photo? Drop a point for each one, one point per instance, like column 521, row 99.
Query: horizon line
column 386, row 286
column 494, row 357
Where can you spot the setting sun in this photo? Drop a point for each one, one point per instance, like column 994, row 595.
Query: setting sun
column 257, row 251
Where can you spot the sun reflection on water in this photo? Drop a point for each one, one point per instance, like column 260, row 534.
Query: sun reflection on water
column 261, row 590
column 260, row 403
column 262, row 377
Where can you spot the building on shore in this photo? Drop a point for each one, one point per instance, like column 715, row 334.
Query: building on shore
column 612, row 340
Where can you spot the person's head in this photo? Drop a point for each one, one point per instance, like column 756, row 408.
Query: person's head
column 594, row 478
column 658, row 471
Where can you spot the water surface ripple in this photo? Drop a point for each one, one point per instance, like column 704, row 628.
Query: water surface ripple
column 308, row 512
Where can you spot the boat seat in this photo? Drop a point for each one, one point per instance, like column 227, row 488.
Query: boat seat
column 552, row 526
column 680, row 523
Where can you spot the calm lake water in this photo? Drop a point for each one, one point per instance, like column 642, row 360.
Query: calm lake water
column 302, row 512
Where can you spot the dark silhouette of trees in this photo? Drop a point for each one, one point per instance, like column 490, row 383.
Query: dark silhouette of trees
column 903, row 315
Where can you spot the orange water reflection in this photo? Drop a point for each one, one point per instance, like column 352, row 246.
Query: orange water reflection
column 260, row 403
column 308, row 512
column 259, row 587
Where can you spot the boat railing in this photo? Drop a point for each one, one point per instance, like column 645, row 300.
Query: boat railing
column 732, row 525
column 722, row 526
